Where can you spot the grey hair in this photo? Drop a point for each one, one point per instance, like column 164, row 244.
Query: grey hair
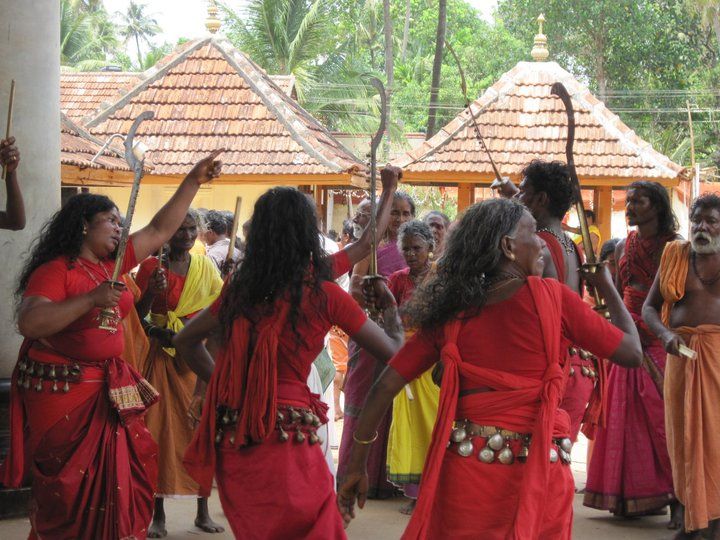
column 197, row 218
column 417, row 228
column 437, row 213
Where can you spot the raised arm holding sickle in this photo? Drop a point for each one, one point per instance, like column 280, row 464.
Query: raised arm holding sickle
column 39, row 317
column 13, row 217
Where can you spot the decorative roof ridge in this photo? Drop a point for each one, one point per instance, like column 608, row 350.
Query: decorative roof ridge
column 610, row 121
column 275, row 100
column 148, row 77
column 80, row 131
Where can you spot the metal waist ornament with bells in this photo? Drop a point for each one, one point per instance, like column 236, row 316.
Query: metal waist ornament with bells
column 374, row 144
column 39, row 372
column 109, row 318
column 302, row 423
column 498, row 444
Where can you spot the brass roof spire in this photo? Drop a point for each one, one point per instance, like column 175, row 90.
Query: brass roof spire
column 540, row 51
column 212, row 23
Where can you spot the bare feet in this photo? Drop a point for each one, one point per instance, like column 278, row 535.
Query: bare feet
column 677, row 517
column 408, row 508
column 157, row 527
column 203, row 521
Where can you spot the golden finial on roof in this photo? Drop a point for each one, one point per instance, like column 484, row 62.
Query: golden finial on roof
column 540, row 51
column 212, row 23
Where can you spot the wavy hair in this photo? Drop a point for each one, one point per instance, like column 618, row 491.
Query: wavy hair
column 553, row 179
column 283, row 255
column 417, row 228
column 472, row 257
column 62, row 234
column 660, row 200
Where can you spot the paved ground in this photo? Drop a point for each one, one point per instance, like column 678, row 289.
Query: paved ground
column 381, row 519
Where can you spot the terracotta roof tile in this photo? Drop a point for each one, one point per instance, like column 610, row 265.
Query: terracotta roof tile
column 211, row 95
column 78, row 147
column 520, row 120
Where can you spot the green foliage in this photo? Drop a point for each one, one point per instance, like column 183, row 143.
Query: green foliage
column 86, row 35
column 136, row 26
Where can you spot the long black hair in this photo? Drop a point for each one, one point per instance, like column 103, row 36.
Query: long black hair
column 282, row 256
column 471, row 258
column 62, row 235
column 660, row 200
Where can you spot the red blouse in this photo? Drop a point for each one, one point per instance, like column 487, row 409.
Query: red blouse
column 319, row 311
column 175, row 284
column 61, row 279
column 506, row 337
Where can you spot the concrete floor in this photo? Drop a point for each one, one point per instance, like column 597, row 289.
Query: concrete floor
column 381, row 519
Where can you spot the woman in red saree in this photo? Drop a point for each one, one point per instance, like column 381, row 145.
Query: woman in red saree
column 258, row 427
column 497, row 327
column 76, row 426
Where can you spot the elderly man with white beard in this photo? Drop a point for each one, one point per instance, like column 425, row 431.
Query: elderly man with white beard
column 683, row 310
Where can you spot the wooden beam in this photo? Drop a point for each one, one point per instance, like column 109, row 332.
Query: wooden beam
column 466, row 196
column 603, row 212
column 484, row 180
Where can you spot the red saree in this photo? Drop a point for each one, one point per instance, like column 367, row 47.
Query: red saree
column 271, row 488
column 630, row 471
column 81, row 436
column 522, row 500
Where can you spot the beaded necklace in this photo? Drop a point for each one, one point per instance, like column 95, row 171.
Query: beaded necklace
column 705, row 281
column 564, row 240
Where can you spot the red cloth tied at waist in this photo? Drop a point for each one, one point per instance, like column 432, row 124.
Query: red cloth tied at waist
column 128, row 392
column 519, row 403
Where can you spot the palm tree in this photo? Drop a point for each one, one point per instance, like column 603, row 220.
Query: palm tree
column 138, row 26
column 86, row 36
column 283, row 36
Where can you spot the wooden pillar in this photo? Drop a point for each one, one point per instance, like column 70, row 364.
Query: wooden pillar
column 603, row 211
column 466, row 196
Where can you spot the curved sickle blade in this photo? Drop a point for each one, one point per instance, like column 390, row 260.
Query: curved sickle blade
column 132, row 161
column 136, row 166
column 481, row 140
column 558, row 89
column 377, row 138
column 374, row 145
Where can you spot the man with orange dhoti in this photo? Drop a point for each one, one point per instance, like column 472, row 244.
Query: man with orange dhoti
column 683, row 310
column 174, row 290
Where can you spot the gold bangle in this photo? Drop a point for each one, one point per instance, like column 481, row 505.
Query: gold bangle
column 369, row 441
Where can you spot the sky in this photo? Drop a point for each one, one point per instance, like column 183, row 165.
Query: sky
column 186, row 18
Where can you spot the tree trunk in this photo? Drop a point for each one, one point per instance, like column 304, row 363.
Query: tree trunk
column 389, row 69
column 137, row 46
column 406, row 30
column 716, row 28
column 437, row 67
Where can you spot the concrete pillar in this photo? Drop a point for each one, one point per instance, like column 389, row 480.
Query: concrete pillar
column 30, row 54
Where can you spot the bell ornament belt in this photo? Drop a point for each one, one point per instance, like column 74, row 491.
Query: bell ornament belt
column 301, row 422
column 586, row 371
column 493, row 444
column 32, row 373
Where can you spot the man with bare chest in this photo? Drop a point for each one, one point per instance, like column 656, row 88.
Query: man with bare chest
column 683, row 310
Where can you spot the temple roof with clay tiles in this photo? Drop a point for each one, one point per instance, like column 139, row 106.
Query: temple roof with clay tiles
column 520, row 121
column 78, row 147
column 209, row 95
column 84, row 93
